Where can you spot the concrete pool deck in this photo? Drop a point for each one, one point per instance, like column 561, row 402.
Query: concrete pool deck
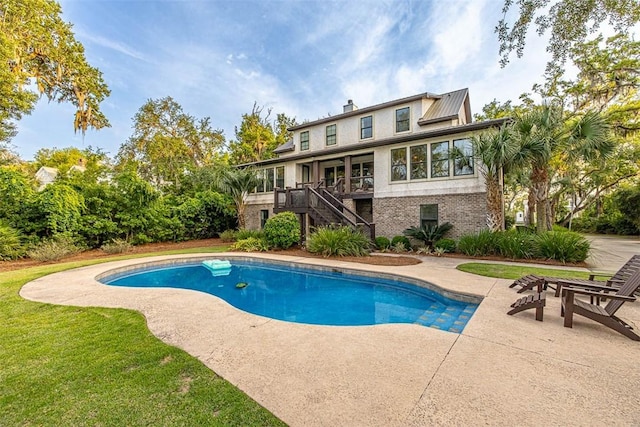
column 502, row 370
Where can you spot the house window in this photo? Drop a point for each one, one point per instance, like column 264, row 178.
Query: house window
column 333, row 174
column 429, row 215
column 280, row 177
column 402, row 119
column 462, row 157
column 260, row 185
column 264, row 216
column 331, row 135
column 419, row 162
column 366, row 127
column 304, row 140
column 362, row 176
column 268, row 180
column 440, row 159
column 399, row 164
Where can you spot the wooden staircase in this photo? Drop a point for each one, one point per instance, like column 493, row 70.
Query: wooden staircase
column 322, row 207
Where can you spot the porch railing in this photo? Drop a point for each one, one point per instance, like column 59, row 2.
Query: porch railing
column 322, row 205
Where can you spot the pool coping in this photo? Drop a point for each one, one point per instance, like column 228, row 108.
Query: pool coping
column 500, row 370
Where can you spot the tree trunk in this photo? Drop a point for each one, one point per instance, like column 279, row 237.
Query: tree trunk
column 495, row 217
column 540, row 188
column 241, row 219
column 531, row 208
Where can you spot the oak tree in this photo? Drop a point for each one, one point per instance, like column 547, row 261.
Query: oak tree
column 39, row 50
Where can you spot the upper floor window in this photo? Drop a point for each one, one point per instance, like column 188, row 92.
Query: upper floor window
column 462, row 157
column 304, row 140
column 331, row 135
column 366, row 127
column 399, row 164
column 402, row 119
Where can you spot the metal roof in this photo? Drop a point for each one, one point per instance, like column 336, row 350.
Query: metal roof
column 287, row 146
column 445, row 108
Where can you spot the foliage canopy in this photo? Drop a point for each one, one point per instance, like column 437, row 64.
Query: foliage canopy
column 569, row 21
column 37, row 46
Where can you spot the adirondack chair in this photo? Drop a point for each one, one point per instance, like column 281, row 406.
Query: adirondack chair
column 539, row 283
column 605, row 315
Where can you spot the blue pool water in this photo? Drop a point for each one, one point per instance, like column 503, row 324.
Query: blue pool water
column 306, row 295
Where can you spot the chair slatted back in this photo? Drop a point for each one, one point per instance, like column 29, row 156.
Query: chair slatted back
column 630, row 286
column 628, row 269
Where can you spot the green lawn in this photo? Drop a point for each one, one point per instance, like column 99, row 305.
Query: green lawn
column 98, row 366
column 504, row 271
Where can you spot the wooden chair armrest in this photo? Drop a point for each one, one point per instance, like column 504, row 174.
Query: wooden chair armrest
column 582, row 291
column 595, row 274
column 593, row 286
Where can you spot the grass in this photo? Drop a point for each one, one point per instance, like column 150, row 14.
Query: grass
column 504, row 271
column 98, row 366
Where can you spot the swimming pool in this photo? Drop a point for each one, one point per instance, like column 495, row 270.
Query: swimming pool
column 311, row 295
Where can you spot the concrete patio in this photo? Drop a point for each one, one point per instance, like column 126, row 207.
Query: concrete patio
column 502, row 370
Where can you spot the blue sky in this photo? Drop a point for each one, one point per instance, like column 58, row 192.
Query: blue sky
column 303, row 58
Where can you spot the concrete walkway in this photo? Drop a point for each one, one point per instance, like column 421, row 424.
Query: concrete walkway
column 502, row 370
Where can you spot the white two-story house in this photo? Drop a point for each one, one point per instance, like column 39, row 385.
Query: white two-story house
column 390, row 166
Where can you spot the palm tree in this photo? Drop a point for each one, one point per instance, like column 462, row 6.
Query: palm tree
column 544, row 133
column 238, row 183
column 497, row 150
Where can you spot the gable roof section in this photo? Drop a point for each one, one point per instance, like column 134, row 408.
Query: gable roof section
column 365, row 110
column 287, row 146
column 447, row 107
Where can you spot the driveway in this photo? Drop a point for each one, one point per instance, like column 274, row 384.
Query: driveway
column 609, row 253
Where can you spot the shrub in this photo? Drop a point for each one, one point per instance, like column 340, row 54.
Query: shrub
column 245, row 234
column 282, row 230
column 480, row 244
column 428, row 234
column 401, row 239
column 116, row 246
column 514, row 245
column 424, row 250
column 338, row 241
column 561, row 246
column 400, row 247
column 382, row 243
column 205, row 214
column 251, row 244
column 53, row 249
column 228, row 236
column 11, row 246
column 439, row 251
column 448, row 245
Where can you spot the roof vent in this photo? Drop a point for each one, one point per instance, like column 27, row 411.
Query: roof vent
column 350, row 106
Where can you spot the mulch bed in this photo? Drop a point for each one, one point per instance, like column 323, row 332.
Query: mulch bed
column 378, row 259
column 167, row 246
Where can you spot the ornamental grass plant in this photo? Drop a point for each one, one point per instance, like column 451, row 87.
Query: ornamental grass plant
column 338, row 241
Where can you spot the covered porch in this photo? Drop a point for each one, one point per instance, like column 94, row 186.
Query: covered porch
column 346, row 176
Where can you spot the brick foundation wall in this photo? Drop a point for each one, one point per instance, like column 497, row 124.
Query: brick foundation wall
column 252, row 215
column 467, row 213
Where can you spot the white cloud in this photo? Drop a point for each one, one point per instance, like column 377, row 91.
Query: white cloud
column 112, row 44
